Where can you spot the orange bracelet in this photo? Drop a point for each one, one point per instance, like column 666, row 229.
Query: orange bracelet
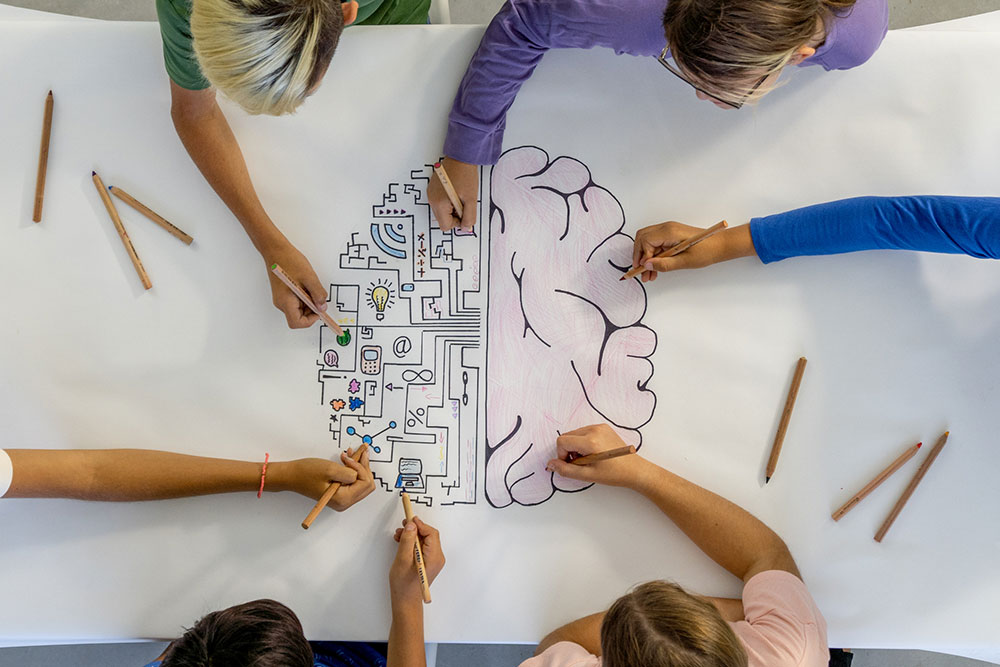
column 263, row 474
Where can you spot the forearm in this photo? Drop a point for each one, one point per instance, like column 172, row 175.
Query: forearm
column 584, row 631
column 406, row 635
column 728, row 534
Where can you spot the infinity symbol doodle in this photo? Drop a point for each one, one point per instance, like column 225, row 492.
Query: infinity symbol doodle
column 426, row 376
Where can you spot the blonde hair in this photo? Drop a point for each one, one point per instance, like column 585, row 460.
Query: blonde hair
column 265, row 55
column 724, row 45
column 659, row 624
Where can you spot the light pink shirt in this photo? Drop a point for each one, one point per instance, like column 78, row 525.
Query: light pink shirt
column 783, row 628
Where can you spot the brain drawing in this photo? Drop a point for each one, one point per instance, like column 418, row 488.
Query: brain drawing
column 566, row 346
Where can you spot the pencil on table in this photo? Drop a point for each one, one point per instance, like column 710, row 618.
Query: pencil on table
column 602, row 456
column 417, row 552
column 874, row 484
column 149, row 213
column 113, row 212
column 43, row 158
column 449, row 188
column 330, row 491
column 304, row 297
column 786, row 415
column 911, row 487
column 680, row 247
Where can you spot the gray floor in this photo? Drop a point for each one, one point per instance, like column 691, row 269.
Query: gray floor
column 903, row 13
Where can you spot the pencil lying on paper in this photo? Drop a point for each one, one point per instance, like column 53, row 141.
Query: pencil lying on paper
column 874, row 484
column 330, row 490
column 113, row 212
column 602, row 456
column 149, row 213
column 301, row 293
column 417, row 552
column 448, row 188
column 786, row 415
column 679, row 248
column 43, row 158
column 911, row 487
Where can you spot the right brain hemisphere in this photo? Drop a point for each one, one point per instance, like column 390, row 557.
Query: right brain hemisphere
column 566, row 347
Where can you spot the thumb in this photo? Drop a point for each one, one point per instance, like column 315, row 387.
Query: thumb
column 660, row 264
column 407, row 541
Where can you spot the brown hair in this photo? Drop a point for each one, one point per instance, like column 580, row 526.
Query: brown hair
column 724, row 44
column 659, row 624
column 262, row 633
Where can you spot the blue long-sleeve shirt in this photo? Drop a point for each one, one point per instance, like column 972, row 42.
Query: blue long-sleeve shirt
column 969, row 225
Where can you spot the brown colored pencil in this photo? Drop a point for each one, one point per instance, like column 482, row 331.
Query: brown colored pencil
column 602, row 456
column 330, row 490
column 449, row 188
column 418, row 553
column 786, row 415
column 304, row 297
column 152, row 215
column 875, row 483
column 680, row 247
column 911, row 487
column 43, row 158
column 113, row 212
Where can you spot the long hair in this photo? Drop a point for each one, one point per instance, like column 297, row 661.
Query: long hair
column 659, row 624
column 724, row 45
column 265, row 55
column 262, row 633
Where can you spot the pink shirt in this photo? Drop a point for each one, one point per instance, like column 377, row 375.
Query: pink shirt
column 783, row 628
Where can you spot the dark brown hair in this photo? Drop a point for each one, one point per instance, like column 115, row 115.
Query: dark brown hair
column 659, row 624
column 262, row 633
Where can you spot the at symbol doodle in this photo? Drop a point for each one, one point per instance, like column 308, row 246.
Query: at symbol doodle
column 426, row 376
column 401, row 346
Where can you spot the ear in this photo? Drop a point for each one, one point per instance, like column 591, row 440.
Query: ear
column 350, row 11
column 801, row 54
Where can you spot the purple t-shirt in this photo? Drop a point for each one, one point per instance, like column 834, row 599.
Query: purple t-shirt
column 524, row 30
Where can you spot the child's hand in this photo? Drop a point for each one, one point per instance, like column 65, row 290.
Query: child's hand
column 620, row 471
column 404, row 582
column 312, row 477
column 651, row 241
column 297, row 314
column 464, row 178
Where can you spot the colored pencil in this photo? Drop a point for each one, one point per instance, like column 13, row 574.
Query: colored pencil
column 786, row 415
column 680, row 247
column 113, row 212
column 330, row 490
column 911, row 487
column 602, row 456
column 43, row 158
column 149, row 213
column 449, row 188
column 875, row 483
column 418, row 553
column 304, row 297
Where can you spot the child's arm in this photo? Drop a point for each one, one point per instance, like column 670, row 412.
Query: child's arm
column 406, row 635
column 729, row 535
column 134, row 474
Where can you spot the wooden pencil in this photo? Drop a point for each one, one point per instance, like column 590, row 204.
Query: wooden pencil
column 43, row 158
column 304, row 297
column 875, row 483
column 680, row 247
column 911, row 487
column 152, row 215
column 449, row 188
column 330, row 490
column 113, row 212
column 602, row 456
column 418, row 553
column 786, row 415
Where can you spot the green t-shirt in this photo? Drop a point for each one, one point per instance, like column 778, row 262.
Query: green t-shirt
column 178, row 49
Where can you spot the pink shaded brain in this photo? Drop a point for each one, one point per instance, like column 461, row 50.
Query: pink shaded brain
column 566, row 346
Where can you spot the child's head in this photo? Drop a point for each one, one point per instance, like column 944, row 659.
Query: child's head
column 659, row 624
column 733, row 49
column 262, row 633
column 267, row 55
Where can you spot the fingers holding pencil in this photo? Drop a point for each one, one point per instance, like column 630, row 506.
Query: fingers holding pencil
column 595, row 453
column 672, row 245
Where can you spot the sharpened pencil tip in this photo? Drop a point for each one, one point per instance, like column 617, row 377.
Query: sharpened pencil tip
column 621, row 279
column 274, row 266
column 93, row 173
column 767, row 479
column 947, row 433
column 437, row 165
column 919, row 445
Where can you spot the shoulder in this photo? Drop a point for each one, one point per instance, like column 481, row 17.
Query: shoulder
column 854, row 35
column 563, row 654
column 783, row 626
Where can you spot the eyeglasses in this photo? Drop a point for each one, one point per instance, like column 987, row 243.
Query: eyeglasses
column 732, row 105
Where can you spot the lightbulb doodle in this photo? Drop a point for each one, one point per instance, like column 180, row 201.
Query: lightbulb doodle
column 425, row 312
